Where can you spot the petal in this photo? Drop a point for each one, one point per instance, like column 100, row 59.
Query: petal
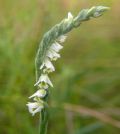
column 47, row 63
column 37, row 110
column 56, row 47
column 41, row 79
column 52, row 54
column 49, row 82
column 62, row 38
column 32, row 104
column 35, row 107
column 39, row 93
column 37, row 82
column 35, row 94
column 42, row 65
column 44, row 78
column 30, row 110
column 70, row 16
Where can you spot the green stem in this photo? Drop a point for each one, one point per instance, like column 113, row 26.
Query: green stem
column 43, row 121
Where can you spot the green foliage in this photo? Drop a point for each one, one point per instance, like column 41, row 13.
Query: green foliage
column 87, row 74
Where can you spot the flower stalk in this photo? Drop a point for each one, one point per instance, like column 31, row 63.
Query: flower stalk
column 48, row 51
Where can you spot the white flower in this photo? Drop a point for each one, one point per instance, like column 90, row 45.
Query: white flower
column 56, row 47
column 44, row 79
column 62, row 38
column 34, row 107
column 40, row 93
column 70, row 16
column 49, row 66
column 53, row 55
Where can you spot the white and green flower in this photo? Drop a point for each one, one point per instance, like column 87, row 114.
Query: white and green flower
column 40, row 93
column 62, row 38
column 34, row 107
column 47, row 65
column 44, row 79
column 56, row 47
column 52, row 55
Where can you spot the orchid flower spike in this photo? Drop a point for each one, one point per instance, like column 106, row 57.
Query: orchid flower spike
column 48, row 52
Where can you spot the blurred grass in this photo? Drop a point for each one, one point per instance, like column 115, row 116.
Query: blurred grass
column 87, row 74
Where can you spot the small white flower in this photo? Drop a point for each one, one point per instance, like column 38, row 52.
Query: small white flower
column 34, row 107
column 70, row 16
column 49, row 66
column 56, row 47
column 40, row 93
column 44, row 79
column 62, row 38
column 53, row 55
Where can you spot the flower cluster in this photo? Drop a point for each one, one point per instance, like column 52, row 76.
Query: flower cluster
column 47, row 67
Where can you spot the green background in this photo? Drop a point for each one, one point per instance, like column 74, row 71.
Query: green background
column 87, row 74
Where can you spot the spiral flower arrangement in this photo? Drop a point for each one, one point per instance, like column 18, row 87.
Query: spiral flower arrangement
column 48, row 51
